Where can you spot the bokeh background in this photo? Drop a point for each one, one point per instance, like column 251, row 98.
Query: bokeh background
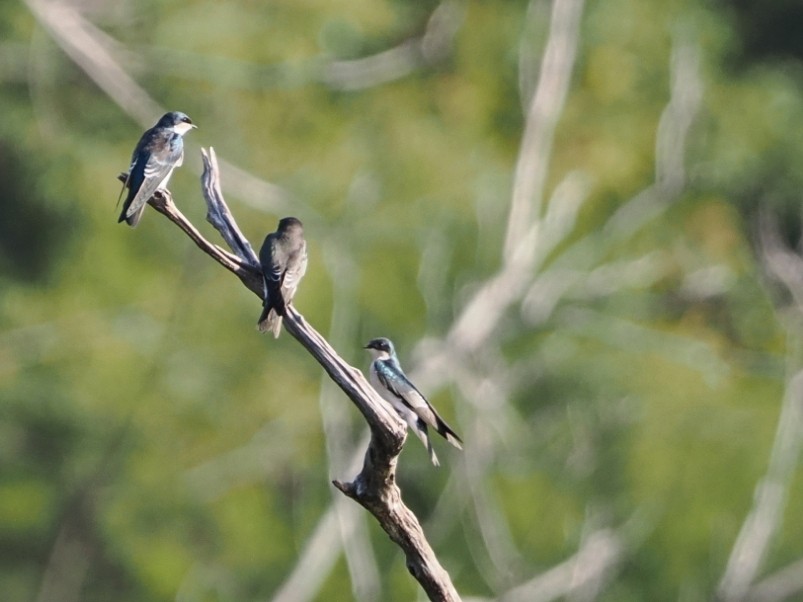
column 579, row 222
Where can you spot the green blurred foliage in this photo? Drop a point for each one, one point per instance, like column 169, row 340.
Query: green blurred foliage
column 142, row 416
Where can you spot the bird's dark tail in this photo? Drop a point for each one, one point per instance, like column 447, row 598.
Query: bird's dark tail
column 270, row 321
column 433, row 458
column 421, row 431
column 445, row 431
column 133, row 219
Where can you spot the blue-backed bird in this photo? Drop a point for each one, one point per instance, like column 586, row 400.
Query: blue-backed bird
column 159, row 151
column 388, row 378
column 283, row 258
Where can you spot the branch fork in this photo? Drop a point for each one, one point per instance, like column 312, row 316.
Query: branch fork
column 374, row 488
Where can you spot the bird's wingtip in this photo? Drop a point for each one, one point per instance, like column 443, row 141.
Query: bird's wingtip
column 277, row 326
column 131, row 220
column 454, row 441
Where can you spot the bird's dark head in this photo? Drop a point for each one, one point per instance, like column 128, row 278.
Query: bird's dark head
column 290, row 224
column 177, row 121
column 380, row 347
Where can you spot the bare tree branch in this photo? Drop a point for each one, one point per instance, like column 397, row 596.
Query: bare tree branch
column 764, row 518
column 247, row 272
column 394, row 63
column 542, row 119
column 769, row 501
column 588, row 568
column 218, row 213
column 528, row 238
column 577, row 263
column 574, row 270
column 375, row 486
column 579, row 577
column 686, row 95
column 779, row 586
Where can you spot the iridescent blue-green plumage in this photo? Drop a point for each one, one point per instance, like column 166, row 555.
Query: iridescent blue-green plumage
column 159, row 151
column 388, row 378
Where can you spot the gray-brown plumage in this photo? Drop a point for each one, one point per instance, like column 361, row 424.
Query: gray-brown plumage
column 283, row 257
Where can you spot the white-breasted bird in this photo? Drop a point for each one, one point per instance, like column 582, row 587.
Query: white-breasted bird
column 388, row 378
column 159, row 151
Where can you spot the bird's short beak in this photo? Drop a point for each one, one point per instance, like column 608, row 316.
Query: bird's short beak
column 194, row 126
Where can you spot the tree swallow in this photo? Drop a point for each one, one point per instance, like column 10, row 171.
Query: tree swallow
column 389, row 380
column 283, row 257
column 157, row 154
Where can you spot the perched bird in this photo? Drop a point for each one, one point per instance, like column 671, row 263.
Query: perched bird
column 389, row 380
column 157, row 154
column 283, row 257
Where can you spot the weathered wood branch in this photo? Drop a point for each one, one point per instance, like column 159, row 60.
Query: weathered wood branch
column 375, row 486
column 246, row 271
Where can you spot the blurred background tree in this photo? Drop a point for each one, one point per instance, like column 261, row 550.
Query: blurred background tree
column 600, row 290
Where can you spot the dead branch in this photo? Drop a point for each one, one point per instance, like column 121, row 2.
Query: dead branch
column 375, row 487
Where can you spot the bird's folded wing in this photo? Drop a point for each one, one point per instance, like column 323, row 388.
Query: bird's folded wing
column 294, row 274
column 157, row 168
column 398, row 384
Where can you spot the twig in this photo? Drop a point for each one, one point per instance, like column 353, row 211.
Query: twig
column 382, row 498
